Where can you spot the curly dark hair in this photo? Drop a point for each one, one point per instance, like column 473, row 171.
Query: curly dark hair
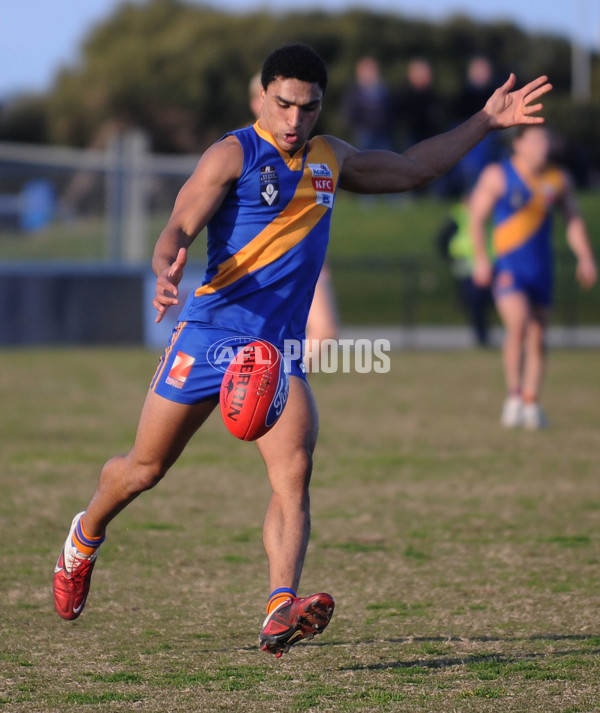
column 296, row 61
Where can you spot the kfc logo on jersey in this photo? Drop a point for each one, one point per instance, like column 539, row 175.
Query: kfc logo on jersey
column 269, row 185
column 323, row 184
column 322, row 180
column 182, row 365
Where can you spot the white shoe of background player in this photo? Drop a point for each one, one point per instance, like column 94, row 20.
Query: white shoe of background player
column 533, row 417
column 512, row 412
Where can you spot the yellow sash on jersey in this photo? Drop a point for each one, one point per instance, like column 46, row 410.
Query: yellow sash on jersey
column 522, row 225
column 286, row 230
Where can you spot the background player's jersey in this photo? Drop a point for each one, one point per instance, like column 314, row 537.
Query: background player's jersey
column 522, row 235
column 267, row 241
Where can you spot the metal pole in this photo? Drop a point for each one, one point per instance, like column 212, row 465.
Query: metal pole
column 135, row 208
column 581, row 57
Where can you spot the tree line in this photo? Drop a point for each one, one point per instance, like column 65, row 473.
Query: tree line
column 181, row 72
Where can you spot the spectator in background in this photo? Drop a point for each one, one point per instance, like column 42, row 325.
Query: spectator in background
column 367, row 108
column 418, row 107
column 456, row 247
column 479, row 82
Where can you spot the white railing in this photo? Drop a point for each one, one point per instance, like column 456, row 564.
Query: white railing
column 126, row 170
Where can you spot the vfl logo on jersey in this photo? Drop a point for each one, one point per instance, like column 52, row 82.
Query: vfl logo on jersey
column 517, row 199
column 269, row 185
column 180, row 370
column 322, row 180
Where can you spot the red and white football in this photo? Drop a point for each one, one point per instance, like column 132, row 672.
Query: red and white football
column 254, row 390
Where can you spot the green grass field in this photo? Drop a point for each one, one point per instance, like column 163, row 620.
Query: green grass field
column 465, row 560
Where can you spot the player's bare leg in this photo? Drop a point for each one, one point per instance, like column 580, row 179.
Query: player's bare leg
column 287, row 451
column 535, row 352
column 322, row 319
column 514, row 312
column 534, row 368
column 164, row 429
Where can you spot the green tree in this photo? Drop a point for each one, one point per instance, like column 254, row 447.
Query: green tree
column 181, row 70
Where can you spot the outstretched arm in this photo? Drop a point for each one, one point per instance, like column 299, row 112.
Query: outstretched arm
column 196, row 203
column 388, row 172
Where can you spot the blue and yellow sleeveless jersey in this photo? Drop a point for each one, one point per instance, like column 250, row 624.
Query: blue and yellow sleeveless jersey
column 267, row 241
column 523, row 215
column 522, row 232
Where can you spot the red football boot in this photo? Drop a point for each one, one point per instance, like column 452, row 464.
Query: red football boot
column 72, row 576
column 294, row 620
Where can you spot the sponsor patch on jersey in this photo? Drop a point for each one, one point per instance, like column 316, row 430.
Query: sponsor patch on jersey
column 320, row 170
column 269, row 185
column 182, row 365
column 550, row 193
column 322, row 180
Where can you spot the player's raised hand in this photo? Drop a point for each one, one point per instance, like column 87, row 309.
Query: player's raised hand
column 507, row 108
column 166, row 293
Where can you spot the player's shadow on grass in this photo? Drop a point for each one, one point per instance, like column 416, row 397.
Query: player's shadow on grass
column 454, row 661
column 441, row 662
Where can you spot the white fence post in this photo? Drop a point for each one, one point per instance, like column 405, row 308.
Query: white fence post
column 126, row 192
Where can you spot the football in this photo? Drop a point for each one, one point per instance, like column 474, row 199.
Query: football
column 254, row 390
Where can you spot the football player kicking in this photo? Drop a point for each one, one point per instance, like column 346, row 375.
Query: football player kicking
column 265, row 193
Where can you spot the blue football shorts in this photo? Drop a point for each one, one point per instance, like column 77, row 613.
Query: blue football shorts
column 535, row 285
column 192, row 366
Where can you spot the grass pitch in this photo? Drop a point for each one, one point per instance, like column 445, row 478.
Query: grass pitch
column 464, row 559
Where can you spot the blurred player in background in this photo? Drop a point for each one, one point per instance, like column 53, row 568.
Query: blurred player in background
column 255, row 99
column 520, row 194
column 265, row 193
